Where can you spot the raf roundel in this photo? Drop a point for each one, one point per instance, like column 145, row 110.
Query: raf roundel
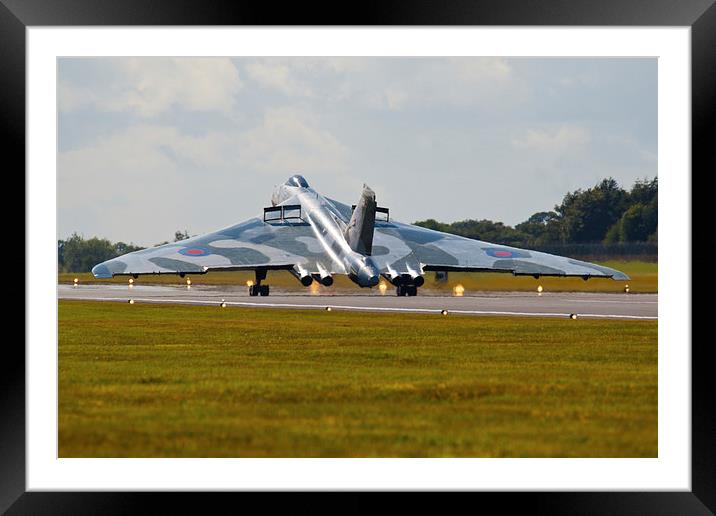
column 500, row 253
column 194, row 251
column 504, row 252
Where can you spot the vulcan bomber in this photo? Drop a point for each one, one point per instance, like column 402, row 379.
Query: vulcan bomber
column 315, row 238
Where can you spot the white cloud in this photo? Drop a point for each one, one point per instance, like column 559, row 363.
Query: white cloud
column 457, row 82
column 71, row 97
column 279, row 76
column 227, row 130
column 150, row 86
column 474, row 71
column 291, row 139
column 285, row 140
column 122, row 180
column 630, row 149
column 564, row 138
column 127, row 180
column 389, row 83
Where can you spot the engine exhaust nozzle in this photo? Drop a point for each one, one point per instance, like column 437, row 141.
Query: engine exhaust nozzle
column 302, row 275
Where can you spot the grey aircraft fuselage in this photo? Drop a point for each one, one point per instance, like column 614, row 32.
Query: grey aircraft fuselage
column 329, row 228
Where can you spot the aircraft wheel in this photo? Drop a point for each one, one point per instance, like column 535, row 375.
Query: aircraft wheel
column 400, row 290
column 254, row 290
column 412, row 291
column 264, row 290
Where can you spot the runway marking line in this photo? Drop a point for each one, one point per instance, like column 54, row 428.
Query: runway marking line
column 366, row 308
column 614, row 302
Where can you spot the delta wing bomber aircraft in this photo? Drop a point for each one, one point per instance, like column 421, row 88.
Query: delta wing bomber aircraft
column 314, row 238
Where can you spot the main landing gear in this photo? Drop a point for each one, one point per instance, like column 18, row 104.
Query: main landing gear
column 406, row 284
column 257, row 289
column 406, row 290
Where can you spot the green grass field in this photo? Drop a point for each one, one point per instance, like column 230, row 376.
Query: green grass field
column 644, row 278
column 190, row 381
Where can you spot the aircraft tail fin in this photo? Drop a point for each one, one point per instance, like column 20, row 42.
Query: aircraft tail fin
column 359, row 233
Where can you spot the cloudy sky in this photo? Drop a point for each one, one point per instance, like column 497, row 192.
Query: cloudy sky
column 147, row 146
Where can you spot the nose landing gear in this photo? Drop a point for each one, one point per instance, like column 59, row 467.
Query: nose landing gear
column 257, row 289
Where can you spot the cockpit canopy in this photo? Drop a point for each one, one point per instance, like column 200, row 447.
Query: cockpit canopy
column 297, row 180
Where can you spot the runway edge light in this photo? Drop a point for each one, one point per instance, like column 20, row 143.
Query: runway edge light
column 573, row 316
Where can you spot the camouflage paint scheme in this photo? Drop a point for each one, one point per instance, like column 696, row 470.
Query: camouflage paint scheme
column 315, row 244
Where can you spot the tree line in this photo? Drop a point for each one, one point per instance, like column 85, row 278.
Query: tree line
column 77, row 254
column 604, row 214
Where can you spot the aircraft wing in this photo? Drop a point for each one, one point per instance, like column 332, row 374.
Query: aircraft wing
column 248, row 245
column 399, row 246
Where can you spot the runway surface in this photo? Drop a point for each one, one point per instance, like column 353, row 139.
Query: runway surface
column 547, row 304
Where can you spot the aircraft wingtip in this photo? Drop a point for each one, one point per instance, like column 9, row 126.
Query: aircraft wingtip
column 101, row 271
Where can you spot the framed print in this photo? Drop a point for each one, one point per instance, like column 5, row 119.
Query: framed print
column 117, row 113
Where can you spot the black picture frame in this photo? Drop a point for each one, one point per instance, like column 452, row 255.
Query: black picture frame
column 17, row 15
